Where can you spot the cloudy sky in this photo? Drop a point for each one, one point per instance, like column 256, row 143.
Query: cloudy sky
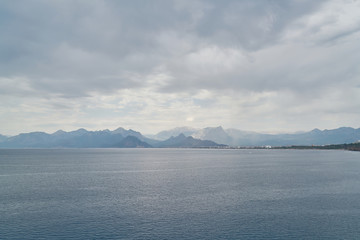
column 267, row 66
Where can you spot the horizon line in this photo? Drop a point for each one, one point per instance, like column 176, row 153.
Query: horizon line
column 195, row 128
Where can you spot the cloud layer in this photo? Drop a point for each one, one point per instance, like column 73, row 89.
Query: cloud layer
column 152, row 65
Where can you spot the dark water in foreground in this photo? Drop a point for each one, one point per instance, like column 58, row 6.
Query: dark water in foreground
column 179, row 194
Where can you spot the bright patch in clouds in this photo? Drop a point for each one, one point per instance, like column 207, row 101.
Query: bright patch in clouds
column 189, row 119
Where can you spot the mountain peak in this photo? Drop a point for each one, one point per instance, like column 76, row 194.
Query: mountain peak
column 163, row 135
column 119, row 130
column 216, row 134
column 81, row 130
column 133, row 131
column 315, row 130
column 59, row 132
column 181, row 141
column 214, row 128
column 181, row 135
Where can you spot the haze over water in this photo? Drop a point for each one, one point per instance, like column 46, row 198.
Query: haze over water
column 179, row 194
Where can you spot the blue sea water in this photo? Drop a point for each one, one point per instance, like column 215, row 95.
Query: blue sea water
column 179, row 194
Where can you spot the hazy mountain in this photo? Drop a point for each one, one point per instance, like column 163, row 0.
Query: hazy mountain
column 182, row 141
column 126, row 133
column 133, row 133
column 231, row 137
column 334, row 136
column 132, row 142
column 314, row 137
column 80, row 138
column 32, row 140
column 235, row 137
column 216, row 134
column 90, row 139
column 163, row 135
column 60, row 139
column 207, row 137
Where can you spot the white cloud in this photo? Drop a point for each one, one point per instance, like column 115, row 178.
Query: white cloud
column 253, row 65
column 335, row 21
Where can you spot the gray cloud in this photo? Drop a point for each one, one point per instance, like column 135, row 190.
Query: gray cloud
column 170, row 51
column 251, row 24
column 72, row 47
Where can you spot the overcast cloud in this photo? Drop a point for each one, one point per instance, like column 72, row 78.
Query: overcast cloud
column 268, row 66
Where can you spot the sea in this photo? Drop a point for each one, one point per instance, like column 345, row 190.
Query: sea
column 179, row 194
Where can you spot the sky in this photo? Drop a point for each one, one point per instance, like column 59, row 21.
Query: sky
column 265, row 66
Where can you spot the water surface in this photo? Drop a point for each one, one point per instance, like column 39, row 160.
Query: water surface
column 179, row 194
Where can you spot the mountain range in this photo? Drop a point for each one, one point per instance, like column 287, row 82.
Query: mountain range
column 177, row 137
column 187, row 142
column 235, row 137
column 81, row 138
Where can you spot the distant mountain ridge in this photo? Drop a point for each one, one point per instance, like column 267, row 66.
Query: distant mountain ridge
column 235, row 137
column 81, row 138
column 217, row 134
column 166, row 134
column 182, row 141
column 178, row 137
